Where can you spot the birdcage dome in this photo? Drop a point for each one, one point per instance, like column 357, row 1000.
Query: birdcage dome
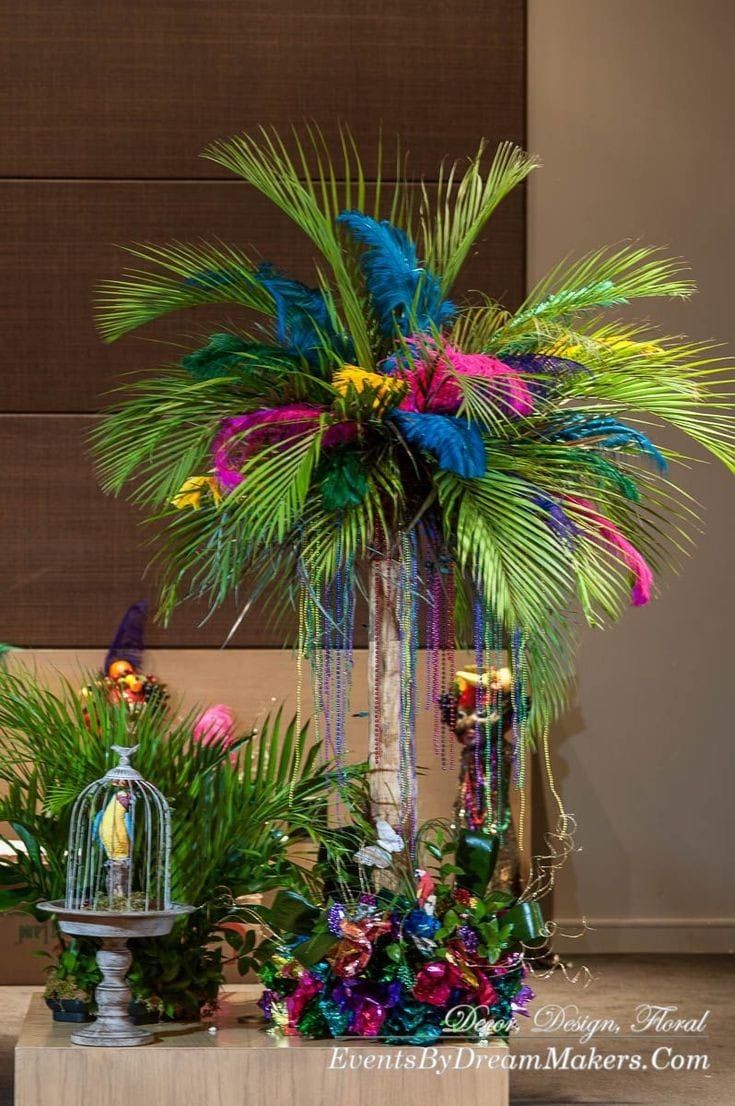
column 119, row 844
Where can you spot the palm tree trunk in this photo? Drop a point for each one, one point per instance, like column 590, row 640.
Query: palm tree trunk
column 384, row 659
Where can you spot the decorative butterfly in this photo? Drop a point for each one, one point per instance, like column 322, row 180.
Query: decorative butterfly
column 379, row 855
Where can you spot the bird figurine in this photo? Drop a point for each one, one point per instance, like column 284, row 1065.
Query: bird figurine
column 425, row 891
column 113, row 827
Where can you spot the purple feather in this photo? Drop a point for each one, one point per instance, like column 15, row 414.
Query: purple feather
column 127, row 644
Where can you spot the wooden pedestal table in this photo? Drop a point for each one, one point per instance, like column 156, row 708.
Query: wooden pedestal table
column 240, row 1063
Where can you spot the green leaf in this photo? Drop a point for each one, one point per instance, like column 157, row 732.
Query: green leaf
column 313, row 950
column 188, row 276
column 452, row 222
column 477, row 855
column 292, row 913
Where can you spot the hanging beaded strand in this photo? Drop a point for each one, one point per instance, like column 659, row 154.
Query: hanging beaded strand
column 408, row 623
column 344, row 615
column 377, row 703
column 478, row 793
column 299, row 684
column 447, row 642
column 519, row 664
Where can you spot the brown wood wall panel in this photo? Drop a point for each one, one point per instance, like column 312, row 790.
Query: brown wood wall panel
column 136, row 88
column 73, row 558
column 56, row 245
column 103, row 109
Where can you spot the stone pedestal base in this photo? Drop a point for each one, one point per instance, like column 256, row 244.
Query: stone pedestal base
column 188, row 1066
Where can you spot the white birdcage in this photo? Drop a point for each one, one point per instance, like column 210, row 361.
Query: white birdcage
column 119, row 844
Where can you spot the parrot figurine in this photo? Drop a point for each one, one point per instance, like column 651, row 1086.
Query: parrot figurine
column 425, row 891
column 113, row 827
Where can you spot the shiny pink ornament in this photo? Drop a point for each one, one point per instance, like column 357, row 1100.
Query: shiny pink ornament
column 307, row 987
column 485, row 995
column 435, row 983
column 369, row 1018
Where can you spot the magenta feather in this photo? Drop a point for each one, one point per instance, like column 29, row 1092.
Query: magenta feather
column 432, row 379
column 240, row 436
column 642, row 575
column 514, row 389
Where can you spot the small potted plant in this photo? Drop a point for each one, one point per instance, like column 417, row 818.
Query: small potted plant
column 72, row 979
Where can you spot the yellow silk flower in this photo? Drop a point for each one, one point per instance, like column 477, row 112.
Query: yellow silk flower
column 351, row 376
column 190, row 492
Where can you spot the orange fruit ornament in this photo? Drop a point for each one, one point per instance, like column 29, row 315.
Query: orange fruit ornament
column 120, row 668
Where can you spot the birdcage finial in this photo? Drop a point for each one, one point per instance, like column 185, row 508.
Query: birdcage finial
column 124, row 770
column 125, row 752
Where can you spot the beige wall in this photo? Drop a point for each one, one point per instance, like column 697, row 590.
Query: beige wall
column 631, row 109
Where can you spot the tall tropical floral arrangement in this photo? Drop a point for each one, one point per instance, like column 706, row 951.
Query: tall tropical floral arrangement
column 483, row 475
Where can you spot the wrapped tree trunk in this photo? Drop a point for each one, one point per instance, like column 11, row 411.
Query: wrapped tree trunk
column 385, row 690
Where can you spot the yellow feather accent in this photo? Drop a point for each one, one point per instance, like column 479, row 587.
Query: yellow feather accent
column 190, row 492
column 577, row 350
column 361, row 380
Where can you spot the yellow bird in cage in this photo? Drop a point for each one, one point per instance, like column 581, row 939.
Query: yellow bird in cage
column 113, row 827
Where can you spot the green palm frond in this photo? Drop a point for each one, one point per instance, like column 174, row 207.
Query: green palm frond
column 304, row 185
column 181, row 276
column 161, row 433
column 504, row 543
column 518, row 535
column 604, row 278
column 229, row 820
column 464, row 201
column 696, row 398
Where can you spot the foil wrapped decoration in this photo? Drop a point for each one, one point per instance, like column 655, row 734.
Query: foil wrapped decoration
column 385, row 966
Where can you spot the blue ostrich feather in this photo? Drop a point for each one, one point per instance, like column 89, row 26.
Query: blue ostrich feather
column 404, row 294
column 612, row 434
column 303, row 323
column 455, row 443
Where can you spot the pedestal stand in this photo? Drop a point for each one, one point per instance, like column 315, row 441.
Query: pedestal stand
column 113, row 1026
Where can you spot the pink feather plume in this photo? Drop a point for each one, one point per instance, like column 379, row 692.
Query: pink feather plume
column 240, row 436
column 433, row 387
column 642, row 575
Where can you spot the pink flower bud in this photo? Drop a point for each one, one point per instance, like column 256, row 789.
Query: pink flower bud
column 216, row 726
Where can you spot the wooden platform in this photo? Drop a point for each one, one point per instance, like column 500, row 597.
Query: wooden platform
column 189, row 1066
